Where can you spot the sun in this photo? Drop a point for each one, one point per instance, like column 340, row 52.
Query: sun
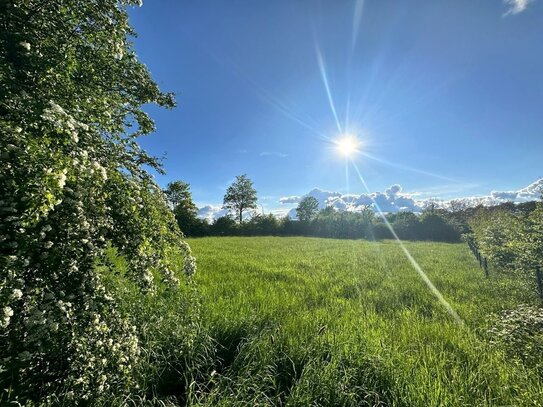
column 348, row 145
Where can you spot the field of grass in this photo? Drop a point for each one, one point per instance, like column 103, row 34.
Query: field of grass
column 306, row 321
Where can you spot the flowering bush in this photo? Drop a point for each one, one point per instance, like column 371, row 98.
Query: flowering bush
column 520, row 332
column 72, row 184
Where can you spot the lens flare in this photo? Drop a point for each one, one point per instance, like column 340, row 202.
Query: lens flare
column 409, row 256
column 324, row 77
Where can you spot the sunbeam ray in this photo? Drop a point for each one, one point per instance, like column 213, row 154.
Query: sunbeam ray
column 266, row 95
column 280, row 106
column 347, row 176
column 405, row 167
column 357, row 17
column 348, row 106
column 283, row 108
column 324, row 76
column 411, row 259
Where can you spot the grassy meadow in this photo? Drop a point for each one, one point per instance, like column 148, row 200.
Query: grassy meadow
column 308, row 321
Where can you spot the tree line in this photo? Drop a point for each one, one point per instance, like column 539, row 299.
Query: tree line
column 241, row 196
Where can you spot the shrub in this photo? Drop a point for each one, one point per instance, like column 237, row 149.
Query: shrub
column 73, row 184
column 407, row 225
column 520, row 333
column 495, row 231
column 225, row 225
column 437, row 228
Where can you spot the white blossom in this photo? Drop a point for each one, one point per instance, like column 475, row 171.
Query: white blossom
column 8, row 313
column 62, row 179
column 190, row 265
column 16, row 294
column 25, row 45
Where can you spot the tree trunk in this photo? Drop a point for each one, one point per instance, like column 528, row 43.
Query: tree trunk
column 240, row 215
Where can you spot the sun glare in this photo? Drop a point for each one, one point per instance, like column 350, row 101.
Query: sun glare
column 348, row 145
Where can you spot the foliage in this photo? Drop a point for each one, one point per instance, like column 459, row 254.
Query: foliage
column 261, row 225
column 342, row 224
column 184, row 209
column 511, row 239
column 178, row 194
column 529, row 246
column 73, row 184
column 349, row 225
column 240, row 196
column 494, row 233
column 436, row 227
column 224, row 225
column 175, row 347
column 307, row 209
column 407, row 225
column 520, row 332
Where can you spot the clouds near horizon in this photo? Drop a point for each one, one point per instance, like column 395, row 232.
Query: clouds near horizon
column 393, row 199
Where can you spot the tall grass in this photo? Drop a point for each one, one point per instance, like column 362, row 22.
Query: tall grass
column 303, row 321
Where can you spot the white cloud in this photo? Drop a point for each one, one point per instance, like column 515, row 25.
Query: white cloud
column 531, row 193
column 393, row 190
column 323, row 196
column 292, row 214
column 279, row 213
column 516, row 6
column 272, row 154
column 504, row 195
column 212, row 212
column 290, row 199
column 392, row 200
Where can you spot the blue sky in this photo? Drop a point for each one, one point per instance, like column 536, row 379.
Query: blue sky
column 445, row 96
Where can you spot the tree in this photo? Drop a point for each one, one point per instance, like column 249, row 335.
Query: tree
column 457, row 205
column 224, row 226
column 240, row 196
column 184, row 209
column 178, row 193
column 307, row 209
column 74, row 188
column 434, row 226
column 405, row 224
column 262, row 225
